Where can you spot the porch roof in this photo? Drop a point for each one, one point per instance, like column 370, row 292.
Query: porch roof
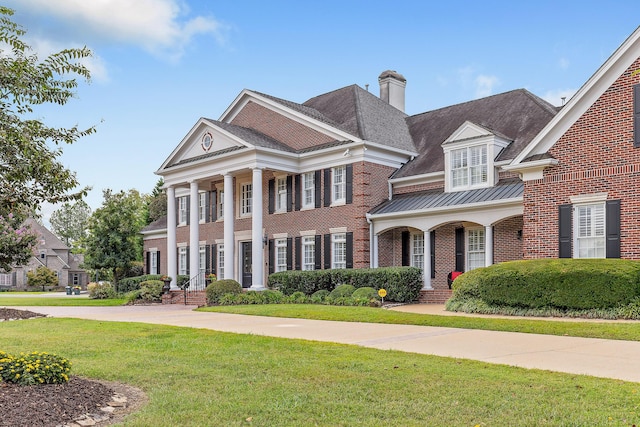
column 507, row 189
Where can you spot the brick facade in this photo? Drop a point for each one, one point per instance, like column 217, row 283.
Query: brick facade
column 595, row 155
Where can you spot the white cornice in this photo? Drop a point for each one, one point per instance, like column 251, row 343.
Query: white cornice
column 532, row 170
column 426, row 178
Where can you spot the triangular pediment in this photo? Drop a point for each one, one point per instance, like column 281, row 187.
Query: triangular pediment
column 467, row 131
column 204, row 139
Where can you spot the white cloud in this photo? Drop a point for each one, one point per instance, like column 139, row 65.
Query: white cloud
column 555, row 96
column 485, row 84
column 160, row 27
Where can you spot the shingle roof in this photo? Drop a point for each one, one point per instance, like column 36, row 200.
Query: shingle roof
column 517, row 115
column 507, row 189
column 158, row 224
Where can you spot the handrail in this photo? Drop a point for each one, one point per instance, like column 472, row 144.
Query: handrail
column 196, row 283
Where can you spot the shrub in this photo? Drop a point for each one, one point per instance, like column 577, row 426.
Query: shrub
column 297, row 298
column 320, row 296
column 217, row 289
column 34, row 368
column 403, row 284
column 366, row 292
column 342, row 291
column 101, row 290
column 565, row 284
column 150, row 291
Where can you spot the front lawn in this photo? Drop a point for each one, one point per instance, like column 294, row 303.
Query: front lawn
column 197, row 377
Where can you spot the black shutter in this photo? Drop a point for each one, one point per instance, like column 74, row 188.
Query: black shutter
column 298, row 244
column 298, row 190
column 636, row 116
column 327, row 251
column 207, row 206
column 327, row 188
column 148, row 262
column 289, row 253
column 459, row 249
column 188, row 261
column 564, row 231
column 272, row 196
column 188, row 198
column 289, row 193
column 613, row 228
column 316, row 182
column 214, row 205
column 349, row 249
column 272, row 256
column 432, row 241
column 406, row 248
column 158, row 263
column 317, row 252
column 349, row 186
column 178, row 210
column 214, row 260
column 207, row 260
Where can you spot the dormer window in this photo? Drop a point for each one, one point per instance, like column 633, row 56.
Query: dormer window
column 469, row 155
column 469, row 166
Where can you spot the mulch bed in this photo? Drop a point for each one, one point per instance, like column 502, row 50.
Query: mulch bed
column 58, row 404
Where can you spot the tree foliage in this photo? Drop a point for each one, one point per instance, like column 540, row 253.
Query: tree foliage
column 70, row 222
column 114, row 241
column 16, row 242
column 30, row 171
column 42, row 277
column 157, row 202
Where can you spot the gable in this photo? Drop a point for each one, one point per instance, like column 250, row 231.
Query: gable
column 467, row 131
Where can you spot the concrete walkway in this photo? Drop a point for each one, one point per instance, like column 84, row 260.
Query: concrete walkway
column 596, row 357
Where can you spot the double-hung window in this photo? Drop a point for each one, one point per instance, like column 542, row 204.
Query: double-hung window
column 220, row 206
column 281, row 194
column 338, row 184
column 417, row 250
column 182, row 210
column 221, row 261
column 246, row 199
column 308, row 190
column 202, row 207
column 202, row 259
column 281, row 255
column 182, row 261
column 589, row 226
column 153, row 262
column 308, row 252
column 469, row 166
column 475, row 248
column 339, row 250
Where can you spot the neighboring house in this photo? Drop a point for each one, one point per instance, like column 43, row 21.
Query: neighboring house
column 49, row 252
column 348, row 180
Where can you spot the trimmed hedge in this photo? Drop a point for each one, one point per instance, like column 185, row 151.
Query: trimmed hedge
column 403, row 284
column 218, row 288
column 133, row 283
column 566, row 284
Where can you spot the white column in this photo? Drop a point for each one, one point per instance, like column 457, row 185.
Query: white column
column 374, row 251
column 194, row 230
column 172, row 248
column 488, row 245
column 229, row 254
column 426, row 270
column 257, row 248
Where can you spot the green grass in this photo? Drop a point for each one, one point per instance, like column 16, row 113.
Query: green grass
column 197, row 377
column 58, row 301
column 608, row 330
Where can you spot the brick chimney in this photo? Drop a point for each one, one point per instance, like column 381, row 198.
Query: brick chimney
column 392, row 85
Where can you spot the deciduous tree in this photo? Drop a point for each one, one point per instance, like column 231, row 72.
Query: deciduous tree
column 30, row 170
column 70, row 223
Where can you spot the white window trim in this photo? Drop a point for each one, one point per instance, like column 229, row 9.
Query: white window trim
column 153, row 254
column 308, row 242
column 468, row 250
column 343, row 185
column 220, row 202
column 338, row 239
column 280, row 194
column 280, row 247
column 312, row 190
column 414, row 254
column 202, row 207
column 202, row 258
column 182, row 210
column 183, row 261
column 220, row 261
column 244, row 203
column 576, row 229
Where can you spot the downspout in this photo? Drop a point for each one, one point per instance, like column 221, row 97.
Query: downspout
column 371, row 249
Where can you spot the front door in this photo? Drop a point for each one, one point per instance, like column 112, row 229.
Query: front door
column 246, row 264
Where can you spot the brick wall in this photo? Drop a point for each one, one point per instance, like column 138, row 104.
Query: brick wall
column 595, row 155
column 271, row 123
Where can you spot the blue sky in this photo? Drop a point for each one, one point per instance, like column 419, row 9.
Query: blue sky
column 160, row 65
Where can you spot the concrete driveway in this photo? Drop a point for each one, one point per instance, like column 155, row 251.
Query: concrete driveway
column 589, row 356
